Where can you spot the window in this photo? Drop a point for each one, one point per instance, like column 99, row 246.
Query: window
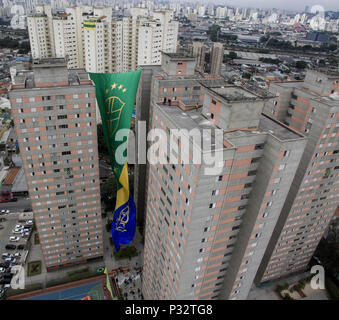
column 259, row 146
column 277, row 180
column 254, row 160
column 286, row 153
column 282, row 167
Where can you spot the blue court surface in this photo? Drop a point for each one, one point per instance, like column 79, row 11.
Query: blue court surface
column 75, row 293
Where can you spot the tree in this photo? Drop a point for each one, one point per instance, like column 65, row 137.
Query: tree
column 213, row 32
column 264, row 39
column 108, row 191
column 232, row 55
column 102, row 146
column 301, row 64
column 246, row 75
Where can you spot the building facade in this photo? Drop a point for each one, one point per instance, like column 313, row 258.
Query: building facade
column 312, row 108
column 205, row 235
column 54, row 116
column 92, row 39
column 217, row 56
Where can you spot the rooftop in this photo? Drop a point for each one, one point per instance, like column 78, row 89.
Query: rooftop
column 189, row 120
column 332, row 73
column 179, row 56
column 11, row 176
column 331, row 100
column 232, row 93
column 278, row 129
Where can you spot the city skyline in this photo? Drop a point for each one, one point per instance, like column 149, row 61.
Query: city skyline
column 227, row 158
column 329, row 5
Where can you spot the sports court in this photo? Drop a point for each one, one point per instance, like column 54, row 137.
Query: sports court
column 93, row 290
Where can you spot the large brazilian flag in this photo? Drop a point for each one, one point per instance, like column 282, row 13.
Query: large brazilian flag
column 115, row 93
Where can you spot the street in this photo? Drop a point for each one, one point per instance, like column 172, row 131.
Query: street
column 19, row 205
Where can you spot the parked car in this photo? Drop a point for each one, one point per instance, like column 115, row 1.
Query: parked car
column 21, row 247
column 6, row 255
column 14, row 239
column 18, row 226
column 2, row 269
column 10, row 247
column 25, row 234
column 13, row 264
column 29, row 222
column 4, row 200
column 17, row 254
column 1, row 227
column 8, row 275
column 28, row 210
column 17, row 231
column 5, row 281
column 2, row 219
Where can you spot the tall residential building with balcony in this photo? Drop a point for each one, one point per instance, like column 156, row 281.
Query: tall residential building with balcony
column 54, row 116
column 312, row 108
column 205, row 235
column 93, row 39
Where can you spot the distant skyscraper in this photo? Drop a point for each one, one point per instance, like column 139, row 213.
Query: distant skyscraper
column 54, row 116
column 217, row 55
column 92, row 39
column 198, row 51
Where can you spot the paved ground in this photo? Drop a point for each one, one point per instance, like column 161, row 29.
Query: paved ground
column 268, row 292
column 9, row 224
column 36, row 254
column 19, row 205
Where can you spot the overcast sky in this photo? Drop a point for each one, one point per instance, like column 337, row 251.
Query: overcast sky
column 282, row 4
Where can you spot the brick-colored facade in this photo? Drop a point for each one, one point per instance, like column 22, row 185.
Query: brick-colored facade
column 54, row 116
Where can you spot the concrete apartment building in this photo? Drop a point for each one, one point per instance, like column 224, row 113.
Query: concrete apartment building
column 198, row 50
column 192, row 82
column 93, row 39
column 205, row 235
column 217, row 56
column 54, row 116
column 312, row 108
